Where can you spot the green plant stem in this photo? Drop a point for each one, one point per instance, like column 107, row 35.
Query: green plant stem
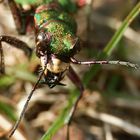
column 112, row 43
column 63, row 118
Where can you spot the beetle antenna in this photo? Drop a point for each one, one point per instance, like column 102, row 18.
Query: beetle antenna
column 128, row 64
column 25, row 105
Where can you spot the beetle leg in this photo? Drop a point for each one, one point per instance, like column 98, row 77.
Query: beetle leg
column 20, row 16
column 76, row 80
column 2, row 66
column 16, row 43
column 26, row 104
column 17, row 15
column 74, row 61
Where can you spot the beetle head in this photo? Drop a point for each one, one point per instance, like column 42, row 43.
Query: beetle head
column 55, row 70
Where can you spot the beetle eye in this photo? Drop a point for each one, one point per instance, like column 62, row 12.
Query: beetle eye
column 42, row 42
column 43, row 37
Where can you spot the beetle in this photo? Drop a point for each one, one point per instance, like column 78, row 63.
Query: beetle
column 56, row 45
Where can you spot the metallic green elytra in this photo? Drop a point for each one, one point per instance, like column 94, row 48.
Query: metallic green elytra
column 63, row 41
column 67, row 5
column 59, row 25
